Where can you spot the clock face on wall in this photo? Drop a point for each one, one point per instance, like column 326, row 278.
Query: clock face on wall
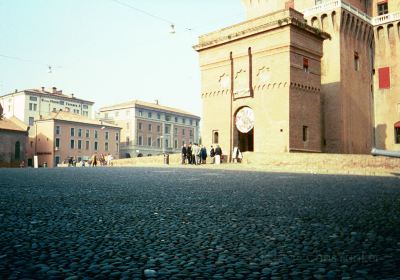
column 245, row 119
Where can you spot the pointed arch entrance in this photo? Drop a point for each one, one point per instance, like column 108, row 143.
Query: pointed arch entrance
column 244, row 129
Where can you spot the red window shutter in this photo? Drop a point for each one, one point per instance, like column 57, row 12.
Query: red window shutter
column 384, row 77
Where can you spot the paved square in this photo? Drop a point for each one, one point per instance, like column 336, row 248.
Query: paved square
column 170, row 223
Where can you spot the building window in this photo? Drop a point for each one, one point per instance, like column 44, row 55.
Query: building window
column 85, row 107
column 96, row 134
column 183, row 142
column 32, row 98
column 140, row 113
column 384, row 77
column 57, row 145
column 305, row 65
column 32, row 107
column 117, row 147
column 80, row 132
column 183, row 131
column 117, row 136
column 87, row 145
column 140, row 141
column 128, row 140
column 140, row 126
column 72, row 132
column 166, row 143
column 57, row 160
column 397, row 133
column 158, row 128
column 176, row 119
column 31, row 121
column 149, row 141
column 106, row 146
column 158, row 116
column 106, row 135
column 197, row 123
column 116, row 114
column 85, row 113
column 150, row 127
column 383, row 8
column 72, row 144
column 80, row 144
column 167, row 129
column 87, row 133
column 176, row 144
column 215, row 139
column 191, row 133
column 305, row 133
column 175, row 131
column 106, row 115
column 96, row 145
column 149, row 115
column 317, row 2
column 159, row 142
column 191, row 122
column 167, row 118
column 356, row 61
column 183, row 120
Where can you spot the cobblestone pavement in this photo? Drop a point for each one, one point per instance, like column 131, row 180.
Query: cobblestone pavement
column 166, row 223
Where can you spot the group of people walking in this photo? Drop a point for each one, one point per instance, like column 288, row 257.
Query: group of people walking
column 197, row 154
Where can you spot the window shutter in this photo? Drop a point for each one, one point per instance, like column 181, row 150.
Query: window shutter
column 384, row 77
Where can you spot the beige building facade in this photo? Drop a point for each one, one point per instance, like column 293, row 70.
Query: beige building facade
column 355, row 113
column 150, row 128
column 13, row 139
column 63, row 135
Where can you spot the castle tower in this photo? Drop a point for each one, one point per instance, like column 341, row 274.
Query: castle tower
column 261, row 84
column 347, row 95
column 386, row 24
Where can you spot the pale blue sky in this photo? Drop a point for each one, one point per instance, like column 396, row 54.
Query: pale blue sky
column 109, row 53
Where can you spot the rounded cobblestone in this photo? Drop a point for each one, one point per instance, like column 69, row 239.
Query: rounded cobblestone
column 127, row 223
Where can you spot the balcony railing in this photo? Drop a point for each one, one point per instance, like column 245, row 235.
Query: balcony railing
column 333, row 5
column 386, row 18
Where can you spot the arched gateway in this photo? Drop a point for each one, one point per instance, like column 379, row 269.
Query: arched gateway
column 244, row 129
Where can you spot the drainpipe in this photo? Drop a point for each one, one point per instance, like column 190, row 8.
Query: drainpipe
column 231, row 109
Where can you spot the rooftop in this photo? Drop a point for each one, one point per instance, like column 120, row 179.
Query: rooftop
column 13, row 124
column 139, row 103
column 69, row 117
column 45, row 93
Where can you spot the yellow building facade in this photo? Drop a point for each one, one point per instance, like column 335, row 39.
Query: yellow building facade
column 307, row 72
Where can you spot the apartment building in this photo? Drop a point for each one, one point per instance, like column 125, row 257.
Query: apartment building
column 150, row 128
column 62, row 135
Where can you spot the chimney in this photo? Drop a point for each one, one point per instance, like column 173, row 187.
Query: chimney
column 42, row 89
column 72, row 95
column 54, row 90
column 156, row 101
column 16, row 90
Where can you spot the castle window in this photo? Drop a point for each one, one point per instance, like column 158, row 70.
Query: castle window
column 356, row 61
column 397, row 133
column 305, row 65
column 215, row 137
column 305, row 133
column 384, row 77
column 383, row 8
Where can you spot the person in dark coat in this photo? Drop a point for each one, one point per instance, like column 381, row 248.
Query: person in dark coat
column 184, row 154
column 203, row 154
column 189, row 153
column 212, row 154
column 218, row 154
